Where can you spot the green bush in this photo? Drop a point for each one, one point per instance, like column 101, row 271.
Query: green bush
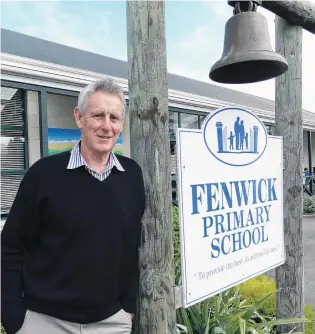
column 308, row 204
column 257, row 288
column 261, row 286
column 227, row 313
column 310, row 315
column 175, row 219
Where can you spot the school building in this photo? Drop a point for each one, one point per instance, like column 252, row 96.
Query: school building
column 40, row 83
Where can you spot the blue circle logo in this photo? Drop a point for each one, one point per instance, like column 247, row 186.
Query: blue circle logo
column 235, row 136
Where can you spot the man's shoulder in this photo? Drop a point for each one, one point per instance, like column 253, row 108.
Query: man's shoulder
column 51, row 162
column 45, row 167
column 127, row 163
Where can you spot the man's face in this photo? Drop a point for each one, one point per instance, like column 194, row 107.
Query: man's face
column 101, row 121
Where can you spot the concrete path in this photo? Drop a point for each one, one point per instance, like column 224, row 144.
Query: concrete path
column 309, row 257
column 309, row 260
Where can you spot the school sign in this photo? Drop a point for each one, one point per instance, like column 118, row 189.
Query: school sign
column 231, row 202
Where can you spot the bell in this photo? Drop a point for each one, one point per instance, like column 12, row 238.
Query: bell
column 247, row 54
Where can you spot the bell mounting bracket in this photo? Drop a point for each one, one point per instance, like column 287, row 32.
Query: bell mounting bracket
column 244, row 6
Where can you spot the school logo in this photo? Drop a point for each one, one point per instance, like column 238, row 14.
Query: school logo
column 235, row 136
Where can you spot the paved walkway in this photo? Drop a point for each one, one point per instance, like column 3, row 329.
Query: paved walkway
column 309, row 260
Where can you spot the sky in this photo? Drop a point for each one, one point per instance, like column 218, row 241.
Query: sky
column 194, row 35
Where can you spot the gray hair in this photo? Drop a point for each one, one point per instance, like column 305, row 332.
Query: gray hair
column 107, row 85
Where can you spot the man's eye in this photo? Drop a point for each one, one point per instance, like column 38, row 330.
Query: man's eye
column 114, row 118
column 98, row 116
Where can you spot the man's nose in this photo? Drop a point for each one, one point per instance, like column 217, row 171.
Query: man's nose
column 106, row 125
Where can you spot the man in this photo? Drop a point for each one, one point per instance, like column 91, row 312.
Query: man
column 307, row 176
column 70, row 242
column 237, row 133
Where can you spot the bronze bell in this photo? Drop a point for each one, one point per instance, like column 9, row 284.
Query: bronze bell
column 247, row 54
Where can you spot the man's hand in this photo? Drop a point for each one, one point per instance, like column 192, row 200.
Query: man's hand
column 131, row 315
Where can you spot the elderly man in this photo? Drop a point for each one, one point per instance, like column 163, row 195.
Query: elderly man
column 70, row 242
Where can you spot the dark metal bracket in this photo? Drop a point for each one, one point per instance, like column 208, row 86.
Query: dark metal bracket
column 244, row 6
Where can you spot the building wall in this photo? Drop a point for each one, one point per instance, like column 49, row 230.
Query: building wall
column 60, row 115
column 60, row 111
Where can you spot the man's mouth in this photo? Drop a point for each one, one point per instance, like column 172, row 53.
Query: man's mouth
column 104, row 137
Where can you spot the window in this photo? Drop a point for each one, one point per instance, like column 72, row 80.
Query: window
column 173, row 124
column 201, row 119
column 178, row 119
column 13, row 145
column 189, row 121
column 268, row 128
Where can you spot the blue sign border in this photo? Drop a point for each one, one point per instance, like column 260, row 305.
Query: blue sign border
column 204, row 126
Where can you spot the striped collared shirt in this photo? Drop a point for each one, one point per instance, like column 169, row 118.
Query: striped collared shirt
column 76, row 160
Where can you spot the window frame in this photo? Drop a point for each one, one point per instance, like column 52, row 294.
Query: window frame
column 43, row 123
column 24, row 130
column 173, row 139
column 42, row 103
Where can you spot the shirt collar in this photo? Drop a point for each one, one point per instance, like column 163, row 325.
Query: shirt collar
column 76, row 160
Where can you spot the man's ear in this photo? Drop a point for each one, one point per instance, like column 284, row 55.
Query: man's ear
column 78, row 117
column 122, row 126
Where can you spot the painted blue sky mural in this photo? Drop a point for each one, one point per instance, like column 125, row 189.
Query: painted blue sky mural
column 64, row 134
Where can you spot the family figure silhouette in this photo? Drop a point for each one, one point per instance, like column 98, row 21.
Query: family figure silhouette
column 240, row 136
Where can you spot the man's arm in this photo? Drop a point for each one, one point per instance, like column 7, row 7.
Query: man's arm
column 131, row 272
column 16, row 239
column 131, row 287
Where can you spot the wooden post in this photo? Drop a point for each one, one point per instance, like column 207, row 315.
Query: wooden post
column 150, row 147
column 290, row 276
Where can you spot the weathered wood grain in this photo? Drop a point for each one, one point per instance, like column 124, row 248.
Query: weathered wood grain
column 178, row 297
column 290, row 276
column 150, row 147
column 301, row 13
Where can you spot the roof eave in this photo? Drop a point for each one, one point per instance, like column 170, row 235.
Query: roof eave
column 31, row 71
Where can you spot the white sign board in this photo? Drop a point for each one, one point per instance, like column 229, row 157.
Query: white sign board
column 230, row 185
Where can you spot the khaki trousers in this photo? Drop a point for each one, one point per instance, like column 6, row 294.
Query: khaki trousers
column 38, row 323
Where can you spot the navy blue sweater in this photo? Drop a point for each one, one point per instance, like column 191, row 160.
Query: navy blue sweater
column 70, row 243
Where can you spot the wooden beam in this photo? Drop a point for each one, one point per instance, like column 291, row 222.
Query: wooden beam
column 290, row 276
column 150, row 147
column 300, row 13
